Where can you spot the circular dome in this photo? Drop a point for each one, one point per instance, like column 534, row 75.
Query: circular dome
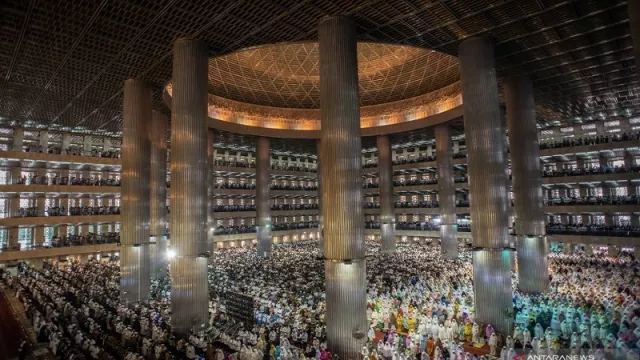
column 288, row 75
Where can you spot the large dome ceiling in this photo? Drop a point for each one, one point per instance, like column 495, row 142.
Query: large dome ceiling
column 288, row 75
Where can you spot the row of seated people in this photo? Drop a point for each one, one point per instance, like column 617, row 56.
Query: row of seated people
column 274, row 207
column 396, row 183
column 246, row 229
column 593, row 200
column 235, row 163
column 62, row 211
column 552, row 229
column 89, row 239
column 416, row 225
column 593, row 230
column 294, row 187
column 589, row 140
column 292, row 167
column 77, row 311
column 65, row 180
column 70, row 240
column 73, row 150
column 591, row 171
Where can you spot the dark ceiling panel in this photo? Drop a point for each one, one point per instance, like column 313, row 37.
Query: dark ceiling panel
column 63, row 62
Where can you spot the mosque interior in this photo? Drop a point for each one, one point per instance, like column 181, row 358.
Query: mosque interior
column 319, row 179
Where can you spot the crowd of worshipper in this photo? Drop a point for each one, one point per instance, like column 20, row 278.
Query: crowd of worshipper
column 72, row 150
column 419, row 306
column 589, row 140
column 34, row 179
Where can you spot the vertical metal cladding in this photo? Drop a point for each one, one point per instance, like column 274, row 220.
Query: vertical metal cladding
column 492, row 288
column 188, row 193
column 340, row 153
column 158, row 200
column 446, row 193
column 321, row 217
column 210, row 186
column 189, row 294
column 346, row 299
column 134, row 226
column 533, row 267
column 486, row 151
column 387, row 210
column 263, row 197
column 341, row 145
column 488, row 184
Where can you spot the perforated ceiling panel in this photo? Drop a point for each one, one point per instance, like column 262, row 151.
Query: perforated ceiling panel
column 63, row 62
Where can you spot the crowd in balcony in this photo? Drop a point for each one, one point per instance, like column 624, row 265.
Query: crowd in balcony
column 416, row 204
column 274, row 207
column 593, row 200
column 89, row 239
column 235, row 163
column 33, row 211
column 65, row 180
column 414, row 160
column 589, row 140
column 593, row 230
column 72, row 150
column 246, row 229
column 591, row 171
column 294, row 187
column 235, row 185
column 293, row 167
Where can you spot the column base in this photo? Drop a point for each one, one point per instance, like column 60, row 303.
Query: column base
column 265, row 241
column 158, row 256
column 533, row 265
column 189, row 294
column 387, row 238
column 346, row 307
column 449, row 241
column 135, row 279
column 492, row 288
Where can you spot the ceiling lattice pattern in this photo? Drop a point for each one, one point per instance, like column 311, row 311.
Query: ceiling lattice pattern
column 63, row 62
column 288, row 75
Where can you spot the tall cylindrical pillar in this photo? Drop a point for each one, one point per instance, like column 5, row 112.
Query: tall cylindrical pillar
column 387, row 210
column 210, row 187
column 158, row 219
column 263, row 196
column 531, row 240
column 134, row 228
column 188, row 193
column 488, row 182
column 320, row 217
column 446, row 193
column 341, row 148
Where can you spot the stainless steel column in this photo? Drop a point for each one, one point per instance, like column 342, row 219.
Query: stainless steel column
column 263, row 196
column 446, row 193
column 531, row 242
column 210, row 200
column 158, row 228
column 488, row 182
column 341, row 156
column 387, row 211
column 188, row 193
column 321, row 217
column 134, row 226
